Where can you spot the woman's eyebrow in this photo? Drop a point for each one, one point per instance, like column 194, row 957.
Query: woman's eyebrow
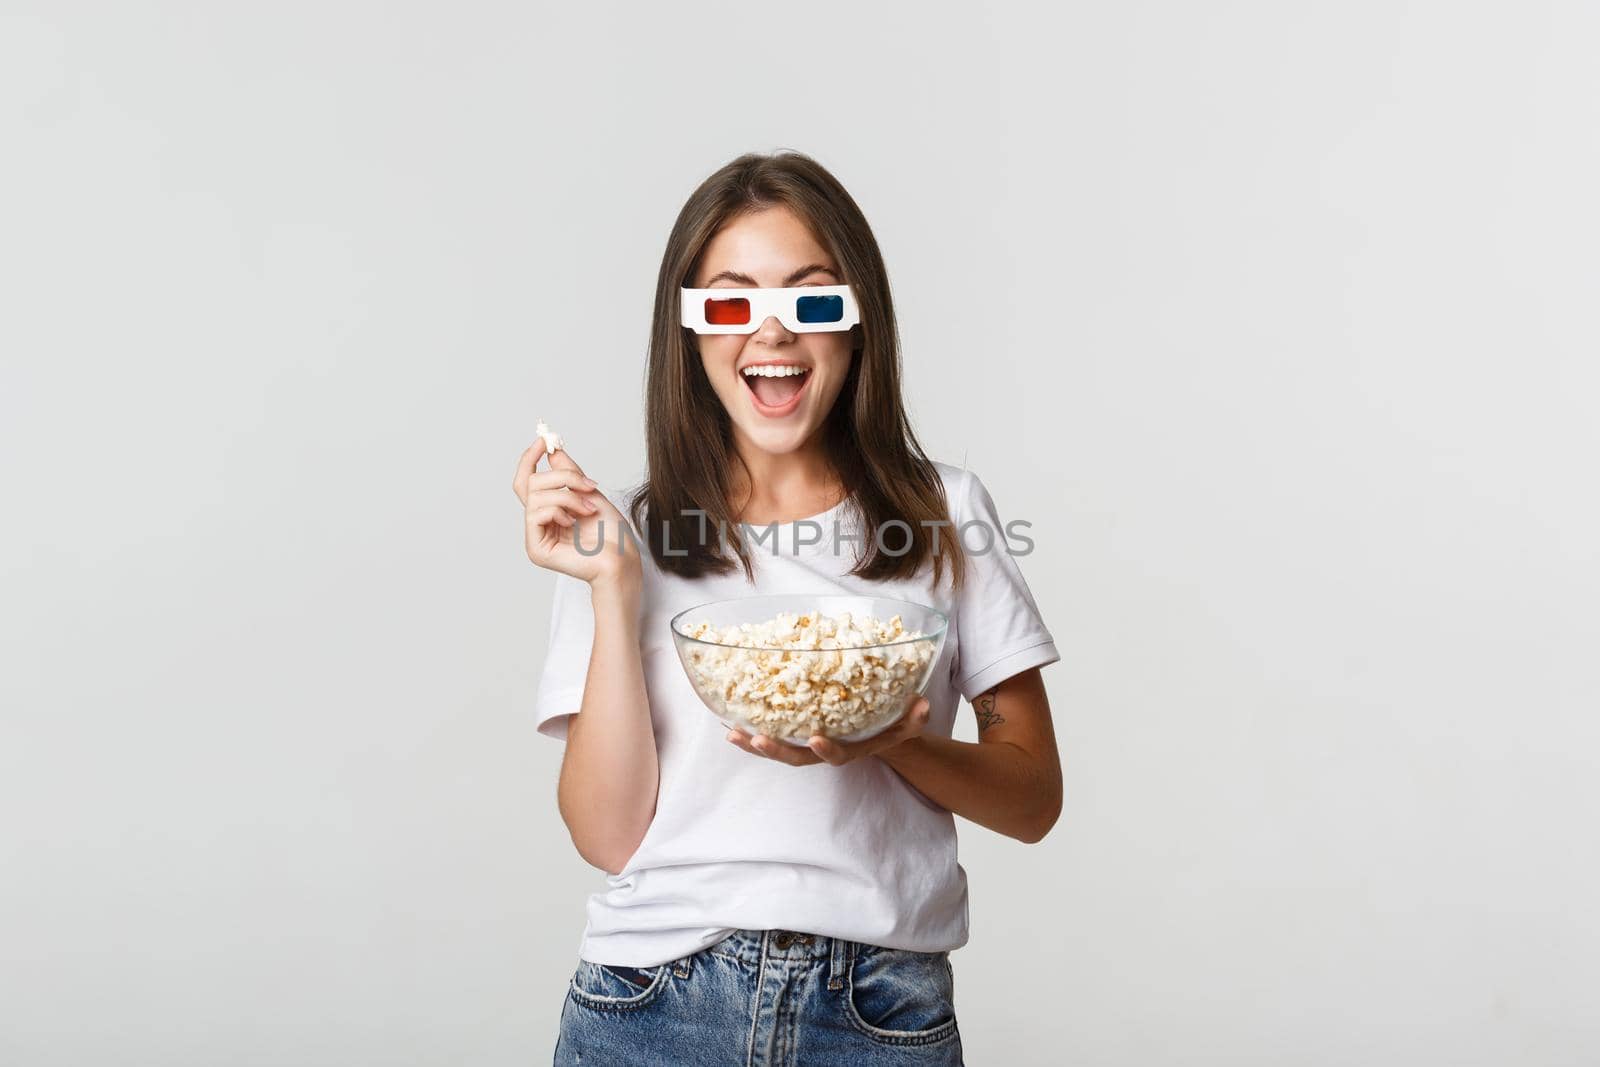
column 745, row 279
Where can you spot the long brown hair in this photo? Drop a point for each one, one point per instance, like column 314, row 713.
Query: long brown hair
column 866, row 436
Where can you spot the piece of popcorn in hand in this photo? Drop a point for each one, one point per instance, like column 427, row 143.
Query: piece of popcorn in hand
column 552, row 440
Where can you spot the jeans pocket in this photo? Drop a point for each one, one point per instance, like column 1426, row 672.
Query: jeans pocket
column 616, row 988
column 901, row 997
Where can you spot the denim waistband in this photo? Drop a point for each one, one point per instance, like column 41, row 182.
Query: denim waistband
column 755, row 946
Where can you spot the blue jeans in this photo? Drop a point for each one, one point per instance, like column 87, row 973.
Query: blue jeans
column 765, row 998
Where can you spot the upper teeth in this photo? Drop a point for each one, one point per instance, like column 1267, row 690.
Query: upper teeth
column 777, row 371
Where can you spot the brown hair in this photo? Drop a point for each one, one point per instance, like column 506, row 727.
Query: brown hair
column 866, row 436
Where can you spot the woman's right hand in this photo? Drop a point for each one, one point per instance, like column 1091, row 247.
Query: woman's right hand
column 561, row 505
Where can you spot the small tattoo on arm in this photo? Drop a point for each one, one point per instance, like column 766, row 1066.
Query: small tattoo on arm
column 983, row 705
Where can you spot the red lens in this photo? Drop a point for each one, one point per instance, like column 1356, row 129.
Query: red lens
column 734, row 311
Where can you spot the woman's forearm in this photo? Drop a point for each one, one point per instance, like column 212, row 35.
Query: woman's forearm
column 610, row 773
column 995, row 783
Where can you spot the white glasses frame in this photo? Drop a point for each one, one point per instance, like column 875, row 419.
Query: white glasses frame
column 765, row 304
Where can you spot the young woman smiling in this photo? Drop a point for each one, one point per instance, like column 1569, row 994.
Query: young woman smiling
column 765, row 902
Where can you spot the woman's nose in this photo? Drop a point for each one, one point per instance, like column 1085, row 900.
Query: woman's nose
column 772, row 331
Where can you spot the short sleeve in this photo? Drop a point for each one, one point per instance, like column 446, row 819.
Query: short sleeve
column 566, row 659
column 999, row 631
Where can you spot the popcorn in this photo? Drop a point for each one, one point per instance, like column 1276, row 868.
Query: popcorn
column 552, row 440
column 803, row 674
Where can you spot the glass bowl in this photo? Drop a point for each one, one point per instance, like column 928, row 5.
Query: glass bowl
column 850, row 691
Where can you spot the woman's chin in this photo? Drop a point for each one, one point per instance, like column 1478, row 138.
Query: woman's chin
column 778, row 438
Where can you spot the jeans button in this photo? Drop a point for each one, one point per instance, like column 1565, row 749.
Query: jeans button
column 782, row 940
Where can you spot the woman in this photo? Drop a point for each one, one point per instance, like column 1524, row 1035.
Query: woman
column 765, row 902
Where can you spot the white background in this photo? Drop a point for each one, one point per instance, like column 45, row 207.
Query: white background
column 1277, row 321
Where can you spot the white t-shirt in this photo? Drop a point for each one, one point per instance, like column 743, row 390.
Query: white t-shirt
column 740, row 841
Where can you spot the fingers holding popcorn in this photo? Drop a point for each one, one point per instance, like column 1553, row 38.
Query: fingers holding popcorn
column 562, row 507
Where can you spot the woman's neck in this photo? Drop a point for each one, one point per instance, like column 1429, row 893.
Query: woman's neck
column 783, row 487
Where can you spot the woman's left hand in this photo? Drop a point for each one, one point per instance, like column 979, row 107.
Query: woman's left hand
column 826, row 750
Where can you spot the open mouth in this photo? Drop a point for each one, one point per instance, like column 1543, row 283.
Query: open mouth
column 776, row 388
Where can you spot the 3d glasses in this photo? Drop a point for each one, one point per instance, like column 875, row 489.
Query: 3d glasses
column 804, row 309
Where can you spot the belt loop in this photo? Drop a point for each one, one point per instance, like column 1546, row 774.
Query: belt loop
column 838, row 962
column 681, row 968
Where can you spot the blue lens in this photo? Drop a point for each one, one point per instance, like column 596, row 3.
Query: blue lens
column 819, row 308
